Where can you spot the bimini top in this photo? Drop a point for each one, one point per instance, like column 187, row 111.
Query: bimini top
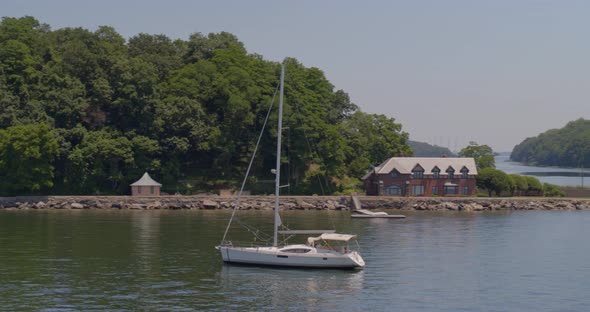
column 146, row 180
column 332, row 237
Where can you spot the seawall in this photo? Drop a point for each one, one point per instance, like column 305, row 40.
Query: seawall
column 293, row 203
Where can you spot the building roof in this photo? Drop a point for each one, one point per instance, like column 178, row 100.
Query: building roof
column 145, row 180
column 405, row 165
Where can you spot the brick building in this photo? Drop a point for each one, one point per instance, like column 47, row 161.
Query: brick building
column 146, row 186
column 422, row 176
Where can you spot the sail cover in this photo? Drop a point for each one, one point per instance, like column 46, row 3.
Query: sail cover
column 332, row 237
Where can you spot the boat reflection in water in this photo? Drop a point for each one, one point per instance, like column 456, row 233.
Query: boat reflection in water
column 277, row 289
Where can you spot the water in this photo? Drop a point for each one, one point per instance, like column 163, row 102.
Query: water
column 553, row 175
column 165, row 260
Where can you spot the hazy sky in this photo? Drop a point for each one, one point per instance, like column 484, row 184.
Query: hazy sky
column 450, row 72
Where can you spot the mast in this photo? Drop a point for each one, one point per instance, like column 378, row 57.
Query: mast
column 278, row 166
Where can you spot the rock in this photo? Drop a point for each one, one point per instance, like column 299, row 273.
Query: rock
column 451, row 206
column 76, row 206
column 209, row 204
column 155, row 205
column 40, row 205
column 581, row 206
column 304, row 205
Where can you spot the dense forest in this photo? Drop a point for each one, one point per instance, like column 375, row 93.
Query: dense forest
column 427, row 150
column 87, row 112
column 565, row 147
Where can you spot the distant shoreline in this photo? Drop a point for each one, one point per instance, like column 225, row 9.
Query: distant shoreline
column 213, row 202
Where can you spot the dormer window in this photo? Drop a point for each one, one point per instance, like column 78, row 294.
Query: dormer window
column 464, row 173
column 393, row 173
column 436, row 173
column 418, row 172
column 451, row 173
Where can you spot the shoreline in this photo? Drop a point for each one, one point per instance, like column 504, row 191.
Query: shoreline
column 253, row 202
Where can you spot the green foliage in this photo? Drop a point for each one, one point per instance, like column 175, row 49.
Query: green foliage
column 565, row 147
column 373, row 138
column 101, row 111
column 482, row 154
column 534, row 185
column 551, row 190
column 494, row 181
column 26, row 157
column 426, row 150
column 519, row 185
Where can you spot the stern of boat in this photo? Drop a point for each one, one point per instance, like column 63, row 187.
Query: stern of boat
column 357, row 259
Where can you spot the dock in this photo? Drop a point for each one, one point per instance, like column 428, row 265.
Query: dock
column 358, row 212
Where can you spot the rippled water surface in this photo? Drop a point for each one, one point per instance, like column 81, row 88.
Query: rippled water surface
column 165, row 260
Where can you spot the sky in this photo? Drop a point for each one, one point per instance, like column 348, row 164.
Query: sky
column 451, row 72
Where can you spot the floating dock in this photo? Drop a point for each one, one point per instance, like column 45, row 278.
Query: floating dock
column 358, row 212
column 362, row 213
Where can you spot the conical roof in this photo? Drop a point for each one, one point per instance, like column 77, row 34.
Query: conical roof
column 146, row 180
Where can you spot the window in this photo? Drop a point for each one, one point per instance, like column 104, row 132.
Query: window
column 451, row 190
column 393, row 174
column 296, row 250
column 465, row 190
column 393, row 190
column 418, row 189
column 139, row 190
column 418, row 174
column 436, row 173
column 152, row 189
column 435, row 190
column 464, row 173
column 450, row 173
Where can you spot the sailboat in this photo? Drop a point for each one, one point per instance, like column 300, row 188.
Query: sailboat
column 327, row 250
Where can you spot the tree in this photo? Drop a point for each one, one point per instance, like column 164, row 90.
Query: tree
column 565, row 147
column 101, row 162
column 550, row 190
column 494, row 181
column 482, row 154
column 520, row 184
column 534, row 185
column 373, row 138
column 426, row 150
column 187, row 110
column 26, row 159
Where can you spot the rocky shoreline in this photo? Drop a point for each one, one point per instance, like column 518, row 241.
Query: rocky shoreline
column 292, row 203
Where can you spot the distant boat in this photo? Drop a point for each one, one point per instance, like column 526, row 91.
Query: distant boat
column 328, row 250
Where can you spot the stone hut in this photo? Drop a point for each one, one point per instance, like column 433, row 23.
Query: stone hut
column 146, row 186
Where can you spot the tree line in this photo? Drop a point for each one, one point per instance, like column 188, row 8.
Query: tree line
column 87, row 112
column 497, row 182
column 565, row 147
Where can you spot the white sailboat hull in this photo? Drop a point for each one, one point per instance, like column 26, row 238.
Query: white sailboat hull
column 316, row 258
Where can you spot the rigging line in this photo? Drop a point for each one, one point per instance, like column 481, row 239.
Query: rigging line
column 289, row 160
column 256, row 232
column 237, row 204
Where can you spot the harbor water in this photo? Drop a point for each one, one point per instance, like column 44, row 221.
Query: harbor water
column 86, row 260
